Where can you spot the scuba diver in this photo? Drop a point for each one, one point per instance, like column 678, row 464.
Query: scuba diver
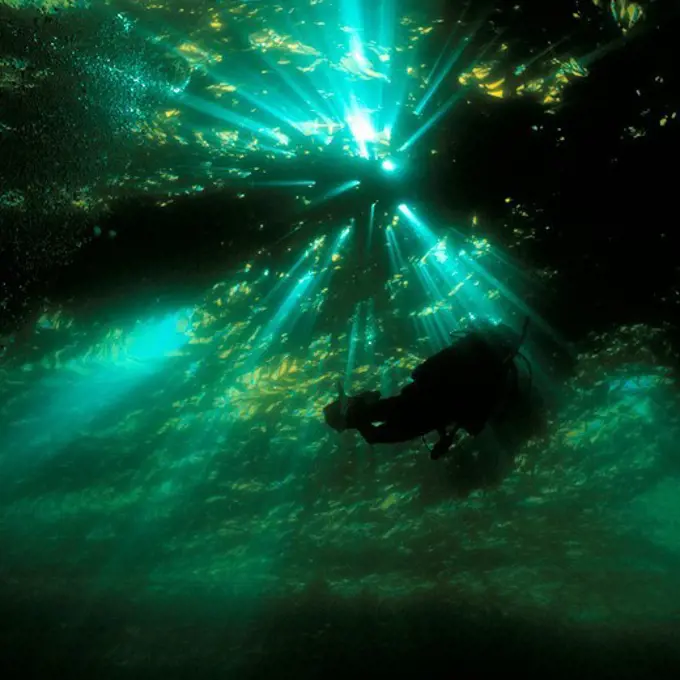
column 460, row 387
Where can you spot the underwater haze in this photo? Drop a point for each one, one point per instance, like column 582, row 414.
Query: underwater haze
column 213, row 215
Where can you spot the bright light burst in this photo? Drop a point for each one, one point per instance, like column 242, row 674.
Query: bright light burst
column 356, row 80
column 252, row 83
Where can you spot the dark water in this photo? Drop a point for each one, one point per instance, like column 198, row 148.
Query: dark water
column 193, row 251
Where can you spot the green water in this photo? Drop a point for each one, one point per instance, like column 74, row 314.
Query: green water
column 205, row 242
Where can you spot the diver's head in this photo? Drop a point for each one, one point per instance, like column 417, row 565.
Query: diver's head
column 334, row 416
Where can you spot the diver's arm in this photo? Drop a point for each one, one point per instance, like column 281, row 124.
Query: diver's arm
column 446, row 439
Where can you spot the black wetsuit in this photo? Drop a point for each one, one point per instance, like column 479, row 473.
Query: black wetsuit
column 460, row 385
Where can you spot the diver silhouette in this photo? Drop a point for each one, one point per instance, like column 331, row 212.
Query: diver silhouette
column 460, row 387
